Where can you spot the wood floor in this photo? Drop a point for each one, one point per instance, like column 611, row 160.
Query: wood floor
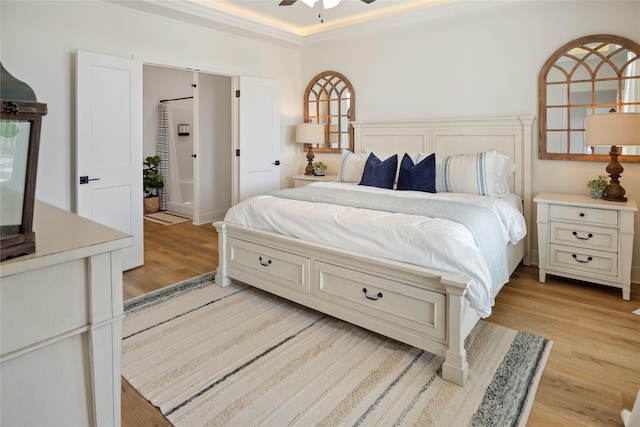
column 592, row 374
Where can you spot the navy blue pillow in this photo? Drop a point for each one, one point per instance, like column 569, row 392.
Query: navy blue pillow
column 379, row 174
column 420, row 177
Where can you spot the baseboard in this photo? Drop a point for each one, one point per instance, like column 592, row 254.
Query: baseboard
column 209, row 217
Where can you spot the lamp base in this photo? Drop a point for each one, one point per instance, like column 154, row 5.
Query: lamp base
column 309, row 170
column 614, row 191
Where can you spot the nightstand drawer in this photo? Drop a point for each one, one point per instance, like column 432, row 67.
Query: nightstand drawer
column 584, row 236
column 581, row 214
column 584, row 260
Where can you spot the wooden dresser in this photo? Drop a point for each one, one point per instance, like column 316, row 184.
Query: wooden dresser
column 61, row 324
column 586, row 239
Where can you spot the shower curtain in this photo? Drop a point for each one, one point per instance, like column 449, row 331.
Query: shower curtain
column 162, row 148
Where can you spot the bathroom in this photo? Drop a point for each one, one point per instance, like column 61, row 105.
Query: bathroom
column 194, row 140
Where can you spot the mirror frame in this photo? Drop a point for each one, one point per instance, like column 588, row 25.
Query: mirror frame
column 324, row 79
column 542, row 97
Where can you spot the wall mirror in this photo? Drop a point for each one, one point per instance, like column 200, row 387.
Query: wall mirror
column 590, row 75
column 329, row 99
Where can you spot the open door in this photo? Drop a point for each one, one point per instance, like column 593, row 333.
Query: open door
column 256, row 169
column 109, row 146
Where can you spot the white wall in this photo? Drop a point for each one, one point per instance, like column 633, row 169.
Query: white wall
column 39, row 41
column 480, row 64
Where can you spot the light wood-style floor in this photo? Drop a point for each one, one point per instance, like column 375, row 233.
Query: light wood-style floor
column 592, row 374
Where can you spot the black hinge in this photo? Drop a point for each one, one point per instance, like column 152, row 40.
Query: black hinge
column 238, row 93
column 238, row 152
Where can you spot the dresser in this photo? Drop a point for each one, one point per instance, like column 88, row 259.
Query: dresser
column 586, row 239
column 61, row 321
column 302, row 180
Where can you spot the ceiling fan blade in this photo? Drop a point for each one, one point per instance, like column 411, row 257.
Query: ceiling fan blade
column 286, row 2
column 368, row 1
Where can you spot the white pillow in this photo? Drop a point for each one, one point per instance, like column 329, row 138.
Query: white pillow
column 484, row 173
column 351, row 166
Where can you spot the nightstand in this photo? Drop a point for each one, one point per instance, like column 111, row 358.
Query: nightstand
column 586, row 239
column 302, row 180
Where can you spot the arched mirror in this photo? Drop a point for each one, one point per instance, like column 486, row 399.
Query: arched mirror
column 329, row 99
column 591, row 75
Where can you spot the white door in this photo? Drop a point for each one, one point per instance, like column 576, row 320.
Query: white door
column 259, row 137
column 109, row 146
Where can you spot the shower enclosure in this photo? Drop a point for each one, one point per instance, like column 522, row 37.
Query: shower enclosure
column 179, row 182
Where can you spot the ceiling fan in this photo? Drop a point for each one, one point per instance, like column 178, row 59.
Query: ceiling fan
column 328, row 4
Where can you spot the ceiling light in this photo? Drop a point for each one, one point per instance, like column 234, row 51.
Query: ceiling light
column 327, row 4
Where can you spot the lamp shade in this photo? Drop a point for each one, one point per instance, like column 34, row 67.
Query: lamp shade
column 310, row 133
column 609, row 129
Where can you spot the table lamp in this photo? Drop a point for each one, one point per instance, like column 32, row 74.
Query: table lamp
column 614, row 130
column 310, row 133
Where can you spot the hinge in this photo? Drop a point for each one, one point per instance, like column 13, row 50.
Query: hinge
column 238, row 93
column 238, row 152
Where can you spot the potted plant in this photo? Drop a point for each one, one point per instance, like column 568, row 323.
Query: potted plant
column 597, row 186
column 151, row 181
column 319, row 168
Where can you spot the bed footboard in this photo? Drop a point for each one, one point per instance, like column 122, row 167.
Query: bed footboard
column 415, row 305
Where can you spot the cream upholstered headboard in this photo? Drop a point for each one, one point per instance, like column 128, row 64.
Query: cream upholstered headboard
column 511, row 136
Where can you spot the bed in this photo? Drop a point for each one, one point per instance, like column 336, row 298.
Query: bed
column 431, row 304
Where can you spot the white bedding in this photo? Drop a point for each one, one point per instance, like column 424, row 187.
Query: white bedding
column 430, row 242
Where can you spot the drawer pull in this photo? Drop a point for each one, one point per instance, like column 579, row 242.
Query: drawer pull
column 267, row 264
column 575, row 233
column 364, row 290
column 582, row 215
column 580, row 260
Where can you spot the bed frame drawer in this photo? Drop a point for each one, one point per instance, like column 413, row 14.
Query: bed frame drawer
column 585, row 261
column 408, row 307
column 273, row 265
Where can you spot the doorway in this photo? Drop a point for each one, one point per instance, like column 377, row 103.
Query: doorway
column 198, row 133
column 226, row 125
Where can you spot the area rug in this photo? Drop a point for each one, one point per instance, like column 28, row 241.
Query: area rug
column 166, row 218
column 239, row 356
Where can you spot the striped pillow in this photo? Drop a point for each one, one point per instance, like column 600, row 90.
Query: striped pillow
column 486, row 174
column 351, row 166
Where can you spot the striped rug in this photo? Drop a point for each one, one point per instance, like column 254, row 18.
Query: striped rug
column 166, row 218
column 239, row 356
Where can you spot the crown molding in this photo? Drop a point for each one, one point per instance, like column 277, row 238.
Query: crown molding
column 199, row 14
column 417, row 17
column 223, row 16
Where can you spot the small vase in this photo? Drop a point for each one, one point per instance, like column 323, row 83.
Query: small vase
column 597, row 194
column 319, row 173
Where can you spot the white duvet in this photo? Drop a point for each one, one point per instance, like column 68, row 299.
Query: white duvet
column 429, row 242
